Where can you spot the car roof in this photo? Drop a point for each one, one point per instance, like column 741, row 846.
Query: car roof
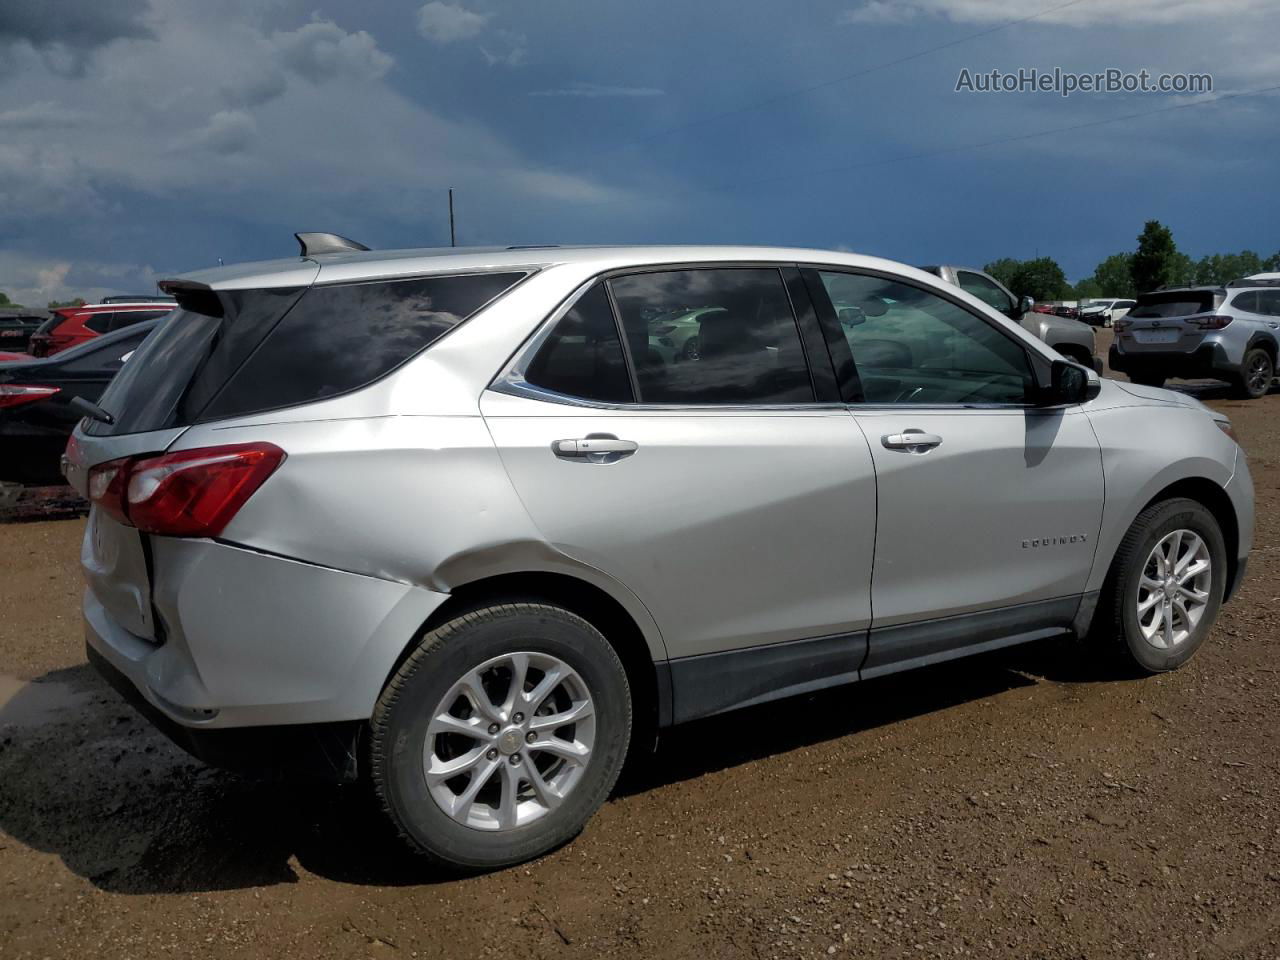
column 376, row 264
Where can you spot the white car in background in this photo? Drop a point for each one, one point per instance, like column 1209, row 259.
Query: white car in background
column 1105, row 312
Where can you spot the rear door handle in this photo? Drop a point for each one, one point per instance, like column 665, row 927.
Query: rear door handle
column 912, row 441
column 595, row 448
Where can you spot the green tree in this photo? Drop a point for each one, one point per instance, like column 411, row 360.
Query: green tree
column 4, row 299
column 1004, row 270
column 1086, row 289
column 1155, row 264
column 1040, row 279
column 1115, row 276
column 77, row 302
column 1222, row 268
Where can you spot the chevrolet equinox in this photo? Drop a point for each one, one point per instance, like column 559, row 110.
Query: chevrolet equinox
column 463, row 522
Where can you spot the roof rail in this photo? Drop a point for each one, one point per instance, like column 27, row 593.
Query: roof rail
column 125, row 298
column 534, row 246
column 313, row 243
column 1261, row 282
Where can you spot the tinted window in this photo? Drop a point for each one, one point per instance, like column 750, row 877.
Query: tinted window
column 1269, row 302
column 104, row 358
column 985, row 290
column 583, row 355
column 127, row 318
column 1247, row 301
column 99, row 322
column 342, row 337
column 746, row 347
column 912, row 346
column 1180, row 303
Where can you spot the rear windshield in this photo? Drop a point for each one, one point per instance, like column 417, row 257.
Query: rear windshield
column 1176, row 303
column 228, row 353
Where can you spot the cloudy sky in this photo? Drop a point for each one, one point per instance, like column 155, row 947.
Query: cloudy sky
column 142, row 138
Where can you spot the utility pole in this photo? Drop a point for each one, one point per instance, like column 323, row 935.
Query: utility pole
column 452, row 240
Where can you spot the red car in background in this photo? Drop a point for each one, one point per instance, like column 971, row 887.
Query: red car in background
column 74, row 325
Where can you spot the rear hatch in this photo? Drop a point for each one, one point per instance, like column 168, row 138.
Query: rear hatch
column 1169, row 321
column 161, row 390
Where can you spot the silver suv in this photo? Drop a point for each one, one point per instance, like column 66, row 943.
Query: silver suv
column 452, row 520
column 1229, row 333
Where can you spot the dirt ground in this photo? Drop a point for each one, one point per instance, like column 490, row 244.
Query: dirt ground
column 1023, row 804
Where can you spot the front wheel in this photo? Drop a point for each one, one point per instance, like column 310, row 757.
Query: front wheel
column 501, row 735
column 1256, row 374
column 1165, row 587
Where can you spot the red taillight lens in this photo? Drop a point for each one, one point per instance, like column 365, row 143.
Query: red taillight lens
column 1121, row 325
column 1211, row 323
column 15, row 394
column 107, row 483
column 193, row 493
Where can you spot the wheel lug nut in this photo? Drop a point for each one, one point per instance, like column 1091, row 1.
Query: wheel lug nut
column 515, row 759
column 492, row 755
column 518, row 718
column 530, row 737
column 494, row 728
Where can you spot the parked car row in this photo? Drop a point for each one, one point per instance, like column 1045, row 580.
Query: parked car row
column 68, row 326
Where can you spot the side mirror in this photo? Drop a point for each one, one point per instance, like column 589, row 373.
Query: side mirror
column 1026, row 304
column 1071, row 383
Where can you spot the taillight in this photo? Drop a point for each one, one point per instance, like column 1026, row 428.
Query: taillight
column 15, row 394
column 1210, row 323
column 192, row 493
column 107, row 484
column 1119, row 326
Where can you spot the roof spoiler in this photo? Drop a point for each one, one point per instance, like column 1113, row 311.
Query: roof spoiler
column 314, row 243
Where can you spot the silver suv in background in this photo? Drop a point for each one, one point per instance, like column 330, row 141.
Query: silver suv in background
column 446, row 519
column 1227, row 333
column 1071, row 338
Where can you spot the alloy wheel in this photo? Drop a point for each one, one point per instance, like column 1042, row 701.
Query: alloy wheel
column 509, row 741
column 1173, row 591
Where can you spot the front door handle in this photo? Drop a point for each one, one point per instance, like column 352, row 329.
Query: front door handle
column 912, row 441
column 595, row 448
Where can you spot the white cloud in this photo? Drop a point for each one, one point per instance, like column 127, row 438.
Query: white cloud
column 597, row 90
column 228, row 131
column 33, row 281
column 507, row 49
column 321, row 50
column 1080, row 14
column 42, row 115
column 447, row 22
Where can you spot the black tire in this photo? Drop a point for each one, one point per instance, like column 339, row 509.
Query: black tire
column 1257, row 372
column 1148, row 379
column 692, row 349
column 445, row 655
column 1115, row 624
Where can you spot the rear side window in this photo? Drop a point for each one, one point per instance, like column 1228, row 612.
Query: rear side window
column 583, row 355
column 227, row 353
column 342, row 337
column 99, row 322
column 1174, row 303
column 127, row 318
column 1247, row 301
column 1269, row 302
column 712, row 336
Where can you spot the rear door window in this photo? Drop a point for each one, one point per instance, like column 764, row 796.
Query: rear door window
column 127, row 318
column 1247, row 301
column 99, row 322
column 582, row 357
column 748, row 347
column 1269, row 302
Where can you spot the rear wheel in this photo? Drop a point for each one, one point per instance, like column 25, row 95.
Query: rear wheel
column 1148, row 379
column 501, row 735
column 1165, row 587
column 692, row 349
column 1256, row 374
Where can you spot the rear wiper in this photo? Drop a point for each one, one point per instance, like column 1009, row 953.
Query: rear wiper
column 91, row 410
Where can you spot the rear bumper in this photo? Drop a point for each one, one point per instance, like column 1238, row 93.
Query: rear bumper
column 1207, row 361
column 251, row 640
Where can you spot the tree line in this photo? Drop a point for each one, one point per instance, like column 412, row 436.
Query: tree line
column 1157, row 262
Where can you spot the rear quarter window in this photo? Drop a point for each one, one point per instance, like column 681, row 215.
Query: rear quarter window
column 341, row 337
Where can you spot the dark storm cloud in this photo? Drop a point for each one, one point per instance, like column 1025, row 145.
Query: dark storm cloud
column 78, row 24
